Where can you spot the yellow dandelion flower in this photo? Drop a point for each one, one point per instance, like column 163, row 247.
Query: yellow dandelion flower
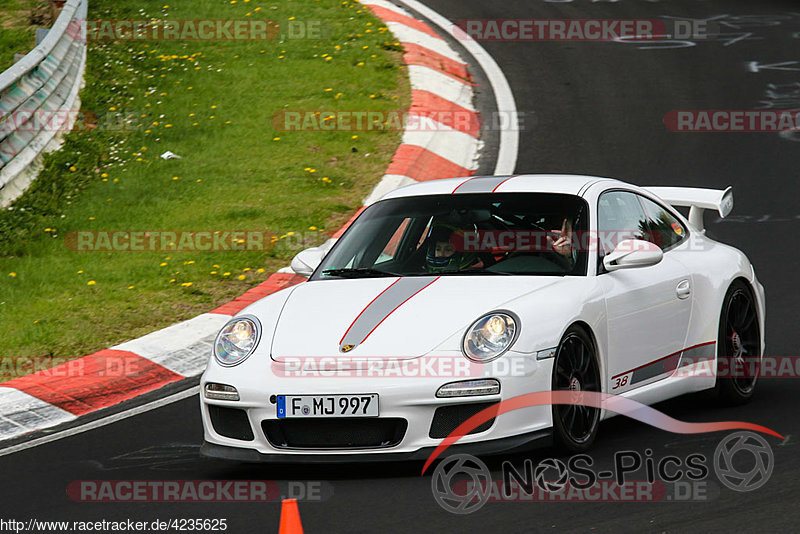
column 73, row 169
column 91, row 283
column 259, row 271
column 241, row 277
column 186, row 284
column 12, row 275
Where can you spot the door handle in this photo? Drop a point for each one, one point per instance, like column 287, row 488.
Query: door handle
column 684, row 289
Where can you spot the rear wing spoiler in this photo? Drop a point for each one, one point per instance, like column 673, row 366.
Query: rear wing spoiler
column 697, row 200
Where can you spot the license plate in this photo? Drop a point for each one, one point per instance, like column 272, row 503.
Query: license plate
column 363, row 405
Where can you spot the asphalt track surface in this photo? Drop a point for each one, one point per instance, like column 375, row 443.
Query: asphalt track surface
column 594, row 108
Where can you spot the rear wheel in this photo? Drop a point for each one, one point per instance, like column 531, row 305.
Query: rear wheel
column 738, row 346
column 575, row 369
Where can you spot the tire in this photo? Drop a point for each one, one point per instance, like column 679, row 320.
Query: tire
column 575, row 368
column 738, row 346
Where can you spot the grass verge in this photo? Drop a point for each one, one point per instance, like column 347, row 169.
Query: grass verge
column 212, row 103
column 18, row 21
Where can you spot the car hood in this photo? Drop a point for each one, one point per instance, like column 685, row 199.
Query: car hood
column 393, row 318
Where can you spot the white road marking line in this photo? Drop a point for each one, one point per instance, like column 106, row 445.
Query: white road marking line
column 509, row 137
column 101, row 422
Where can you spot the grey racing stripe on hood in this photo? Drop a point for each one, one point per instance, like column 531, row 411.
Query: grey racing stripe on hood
column 384, row 304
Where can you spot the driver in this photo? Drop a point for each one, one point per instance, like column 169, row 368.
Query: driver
column 441, row 255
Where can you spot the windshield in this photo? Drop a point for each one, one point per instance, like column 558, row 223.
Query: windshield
column 465, row 234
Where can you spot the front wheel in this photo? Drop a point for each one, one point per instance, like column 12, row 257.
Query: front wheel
column 575, row 369
column 738, row 346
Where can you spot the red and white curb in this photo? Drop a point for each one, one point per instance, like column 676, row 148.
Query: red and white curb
column 440, row 86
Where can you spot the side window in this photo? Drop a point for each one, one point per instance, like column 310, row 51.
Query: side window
column 663, row 228
column 619, row 216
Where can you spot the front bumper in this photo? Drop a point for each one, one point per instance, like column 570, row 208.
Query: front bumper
column 509, row 445
column 411, row 399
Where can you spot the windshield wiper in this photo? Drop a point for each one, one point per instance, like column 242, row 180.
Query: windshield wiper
column 358, row 272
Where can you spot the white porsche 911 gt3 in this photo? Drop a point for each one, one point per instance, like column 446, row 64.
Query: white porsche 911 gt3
column 449, row 296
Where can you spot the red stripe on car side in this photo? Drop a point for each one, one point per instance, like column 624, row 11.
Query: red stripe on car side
column 664, row 358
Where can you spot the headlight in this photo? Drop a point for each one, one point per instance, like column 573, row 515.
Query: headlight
column 237, row 340
column 490, row 336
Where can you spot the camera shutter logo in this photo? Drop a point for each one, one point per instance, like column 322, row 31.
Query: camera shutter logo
column 744, row 444
column 454, row 470
column 548, row 484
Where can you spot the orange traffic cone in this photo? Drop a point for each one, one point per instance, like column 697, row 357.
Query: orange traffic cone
column 290, row 518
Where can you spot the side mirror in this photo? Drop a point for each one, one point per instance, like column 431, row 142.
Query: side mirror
column 633, row 253
column 306, row 261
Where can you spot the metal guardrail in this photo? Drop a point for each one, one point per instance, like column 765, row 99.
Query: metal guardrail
column 38, row 98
